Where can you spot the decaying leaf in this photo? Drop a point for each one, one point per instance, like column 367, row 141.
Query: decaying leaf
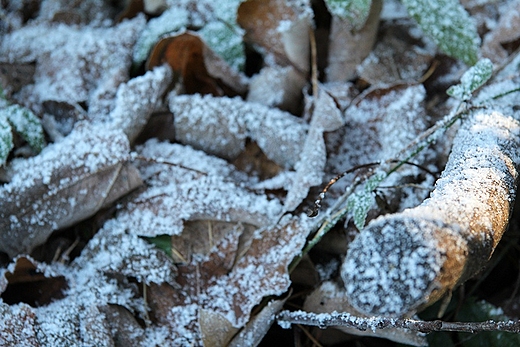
column 201, row 70
column 72, row 64
column 220, row 126
column 67, row 182
column 281, row 28
column 349, row 47
column 507, row 30
column 326, row 117
column 135, row 101
column 18, row 326
column 215, row 329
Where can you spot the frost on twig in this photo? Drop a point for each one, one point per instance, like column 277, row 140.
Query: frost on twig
column 404, row 261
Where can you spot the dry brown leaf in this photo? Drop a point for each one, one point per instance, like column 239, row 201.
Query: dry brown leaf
column 73, row 65
column 26, row 284
column 215, row 329
column 220, row 126
column 507, row 30
column 18, row 327
column 309, row 169
column 201, row 70
column 69, row 181
column 348, row 48
column 281, row 28
column 397, row 57
column 255, row 330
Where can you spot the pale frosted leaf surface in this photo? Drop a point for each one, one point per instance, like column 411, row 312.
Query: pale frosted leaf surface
column 472, row 79
column 449, row 25
column 220, row 126
column 172, row 20
column 309, row 169
column 377, row 127
column 72, row 63
column 68, row 181
column 135, row 101
column 356, row 11
column 361, row 202
column 257, row 327
column 506, row 30
column 18, row 326
column 176, row 194
column 215, row 330
column 6, row 140
column 26, row 124
column 261, row 272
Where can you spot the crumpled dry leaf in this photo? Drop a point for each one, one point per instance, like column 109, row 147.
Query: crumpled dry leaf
column 135, row 101
column 281, row 28
column 202, row 71
column 348, row 48
column 220, row 126
column 378, row 126
column 176, row 194
column 73, row 64
column 254, row 331
column 398, row 57
column 330, row 297
column 67, row 182
column 309, row 169
column 506, row 30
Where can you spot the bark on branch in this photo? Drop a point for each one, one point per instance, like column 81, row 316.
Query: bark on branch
column 408, row 260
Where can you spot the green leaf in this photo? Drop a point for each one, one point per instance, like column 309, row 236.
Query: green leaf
column 163, row 242
column 356, row 11
column 449, row 25
column 26, row 124
column 471, row 80
column 225, row 40
column 6, row 139
column 360, row 203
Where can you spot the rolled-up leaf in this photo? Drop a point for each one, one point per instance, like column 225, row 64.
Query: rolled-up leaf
column 405, row 261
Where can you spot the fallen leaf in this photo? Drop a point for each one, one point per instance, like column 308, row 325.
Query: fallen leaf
column 18, row 326
column 69, row 181
column 215, row 330
column 220, row 126
column 201, row 70
column 506, row 30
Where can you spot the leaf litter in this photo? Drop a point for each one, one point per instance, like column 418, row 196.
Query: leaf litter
column 228, row 233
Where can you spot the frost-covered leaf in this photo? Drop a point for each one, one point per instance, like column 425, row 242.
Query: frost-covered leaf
column 26, row 124
column 507, row 30
column 356, row 11
column 67, row 182
column 18, row 326
column 215, row 329
column 172, row 20
column 226, row 41
column 309, row 169
column 347, row 47
column 280, row 27
column 220, row 126
column 202, row 71
column 73, row 64
column 177, row 194
column 135, row 101
column 6, row 140
column 360, row 203
column 472, row 79
column 449, row 25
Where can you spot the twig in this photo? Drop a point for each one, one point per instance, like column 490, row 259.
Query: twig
column 336, row 319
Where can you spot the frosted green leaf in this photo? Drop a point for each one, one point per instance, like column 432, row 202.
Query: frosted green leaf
column 225, row 40
column 360, row 203
column 471, row 80
column 26, row 124
column 6, row 139
column 449, row 25
column 356, row 11
column 172, row 20
column 163, row 242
